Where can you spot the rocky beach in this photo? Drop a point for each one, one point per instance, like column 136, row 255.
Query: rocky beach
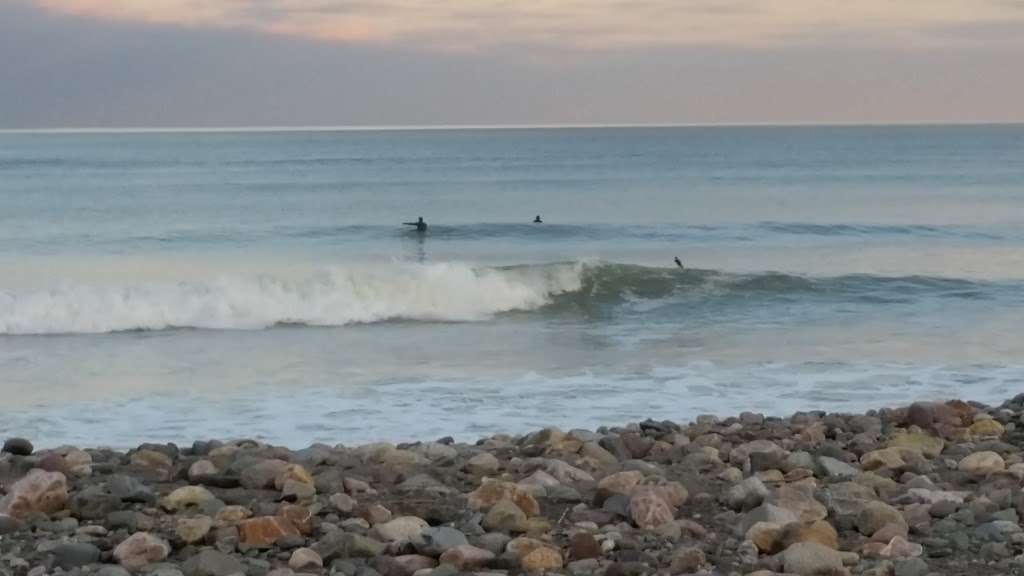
column 932, row 488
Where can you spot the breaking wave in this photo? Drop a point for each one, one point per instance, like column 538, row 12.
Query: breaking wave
column 446, row 292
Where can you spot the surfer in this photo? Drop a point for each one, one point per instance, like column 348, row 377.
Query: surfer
column 420, row 225
column 537, row 220
column 679, row 263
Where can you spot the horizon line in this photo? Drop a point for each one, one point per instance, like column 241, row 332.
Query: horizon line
column 456, row 127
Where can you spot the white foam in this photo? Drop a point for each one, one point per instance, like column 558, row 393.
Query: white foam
column 335, row 296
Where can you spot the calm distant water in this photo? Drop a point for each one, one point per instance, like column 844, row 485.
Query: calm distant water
column 169, row 286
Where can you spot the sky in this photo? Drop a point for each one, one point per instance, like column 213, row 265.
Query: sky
column 230, row 63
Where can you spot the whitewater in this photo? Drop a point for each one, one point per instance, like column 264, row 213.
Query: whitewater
column 164, row 286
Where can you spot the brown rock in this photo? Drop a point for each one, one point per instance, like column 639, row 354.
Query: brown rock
column 541, row 560
column 819, row 531
column 294, row 472
column 151, row 459
column 875, row 515
column 886, row 533
column 231, row 516
column 618, row 483
column 899, row 548
column 39, row 491
column 927, row 414
column 466, row 557
column 799, row 499
column 688, row 561
column 766, row 537
column 884, row 458
column 264, row 531
column 53, row 462
column 299, row 516
column 193, row 530
column 492, row 491
column 139, row 550
column 583, row 546
column 505, row 516
column 980, row 464
column 374, row 514
column 522, row 546
column 405, row 565
column 649, row 509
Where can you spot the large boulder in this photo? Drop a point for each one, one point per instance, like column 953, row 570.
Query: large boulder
column 39, row 491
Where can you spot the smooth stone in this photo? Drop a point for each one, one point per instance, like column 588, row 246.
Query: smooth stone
column 70, row 555
column 467, row 557
column 435, row 541
column 187, row 498
column 401, row 528
column 141, row 549
column 542, row 559
column 810, row 559
column 483, row 464
column 981, row 464
column 505, row 516
column 18, row 447
column 193, row 530
column 875, row 515
column 748, row 494
column 833, row 468
column 211, row 562
column 10, row 525
column 688, row 561
column 911, row 567
column 305, row 560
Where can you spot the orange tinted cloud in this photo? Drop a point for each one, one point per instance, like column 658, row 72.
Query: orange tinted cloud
column 579, row 23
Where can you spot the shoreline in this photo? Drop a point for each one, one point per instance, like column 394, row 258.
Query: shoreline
column 931, row 488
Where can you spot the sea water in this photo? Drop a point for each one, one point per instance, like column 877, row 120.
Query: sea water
column 168, row 286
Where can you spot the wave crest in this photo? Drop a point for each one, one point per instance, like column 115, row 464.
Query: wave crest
column 329, row 297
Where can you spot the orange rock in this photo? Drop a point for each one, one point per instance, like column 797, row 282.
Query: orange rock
column 299, row 516
column 264, row 531
column 493, row 491
column 293, row 472
column 820, row 531
column 151, row 459
column 541, row 560
column 964, row 410
column 765, row 536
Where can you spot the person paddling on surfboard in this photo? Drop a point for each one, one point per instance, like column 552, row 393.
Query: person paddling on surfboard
column 679, row 263
column 537, row 220
column 420, row 225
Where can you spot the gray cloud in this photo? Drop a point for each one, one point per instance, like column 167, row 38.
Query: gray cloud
column 70, row 72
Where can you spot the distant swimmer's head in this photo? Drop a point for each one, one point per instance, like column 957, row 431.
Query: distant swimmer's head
column 537, row 220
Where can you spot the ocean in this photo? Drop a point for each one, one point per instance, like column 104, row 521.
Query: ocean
column 168, row 286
